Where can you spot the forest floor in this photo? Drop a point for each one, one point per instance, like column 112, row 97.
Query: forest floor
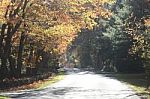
column 79, row 85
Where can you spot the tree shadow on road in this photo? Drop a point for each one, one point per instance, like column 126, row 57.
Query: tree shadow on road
column 50, row 92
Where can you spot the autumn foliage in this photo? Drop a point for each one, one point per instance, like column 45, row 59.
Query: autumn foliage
column 35, row 33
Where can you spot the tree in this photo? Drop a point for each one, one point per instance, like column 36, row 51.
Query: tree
column 13, row 21
column 32, row 28
column 138, row 27
column 121, row 40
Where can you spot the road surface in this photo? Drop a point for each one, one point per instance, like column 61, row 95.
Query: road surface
column 81, row 85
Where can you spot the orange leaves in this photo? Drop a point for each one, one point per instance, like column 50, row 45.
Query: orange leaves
column 57, row 22
column 55, row 38
column 66, row 18
column 147, row 22
column 86, row 11
column 64, row 32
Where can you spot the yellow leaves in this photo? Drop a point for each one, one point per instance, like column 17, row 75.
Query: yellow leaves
column 74, row 9
column 87, row 10
column 139, row 44
column 138, row 38
column 147, row 22
column 56, row 38
column 64, row 34
column 3, row 7
column 57, row 22
column 77, row 14
column 61, row 30
column 90, row 14
column 108, row 1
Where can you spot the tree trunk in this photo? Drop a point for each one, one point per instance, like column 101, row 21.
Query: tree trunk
column 2, row 38
column 20, row 52
column 6, row 54
column 31, row 53
column 12, row 66
column 4, row 69
column 2, row 65
column 99, row 62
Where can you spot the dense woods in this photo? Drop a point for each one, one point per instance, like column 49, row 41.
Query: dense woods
column 40, row 36
column 118, row 43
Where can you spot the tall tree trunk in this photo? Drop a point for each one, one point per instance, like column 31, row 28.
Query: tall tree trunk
column 2, row 51
column 99, row 62
column 38, row 54
column 21, row 45
column 6, row 53
column 20, row 52
column 30, row 54
column 12, row 66
column 2, row 38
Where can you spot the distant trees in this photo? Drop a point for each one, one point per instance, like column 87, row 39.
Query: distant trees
column 109, row 46
column 121, row 40
column 138, row 28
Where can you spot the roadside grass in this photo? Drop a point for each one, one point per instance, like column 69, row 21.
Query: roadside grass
column 3, row 97
column 141, row 91
column 37, row 85
column 49, row 81
column 137, row 82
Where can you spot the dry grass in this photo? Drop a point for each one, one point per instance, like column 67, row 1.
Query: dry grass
column 49, row 81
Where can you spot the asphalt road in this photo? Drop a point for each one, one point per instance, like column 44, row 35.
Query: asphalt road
column 81, row 85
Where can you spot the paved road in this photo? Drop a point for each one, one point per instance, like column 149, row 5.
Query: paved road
column 82, row 85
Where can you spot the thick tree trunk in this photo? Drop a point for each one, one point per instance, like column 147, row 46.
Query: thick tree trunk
column 39, row 53
column 6, row 53
column 2, row 65
column 31, row 53
column 20, row 52
column 99, row 62
column 12, row 66
column 4, row 69
column 7, row 32
column 2, row 38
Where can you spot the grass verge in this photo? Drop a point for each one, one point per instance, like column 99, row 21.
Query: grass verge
column 141, row 91
column 3, row 97
column 49, row 81
column 136, row 82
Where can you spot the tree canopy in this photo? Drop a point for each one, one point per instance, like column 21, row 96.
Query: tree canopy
column 38, row 36
column 35, row 30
